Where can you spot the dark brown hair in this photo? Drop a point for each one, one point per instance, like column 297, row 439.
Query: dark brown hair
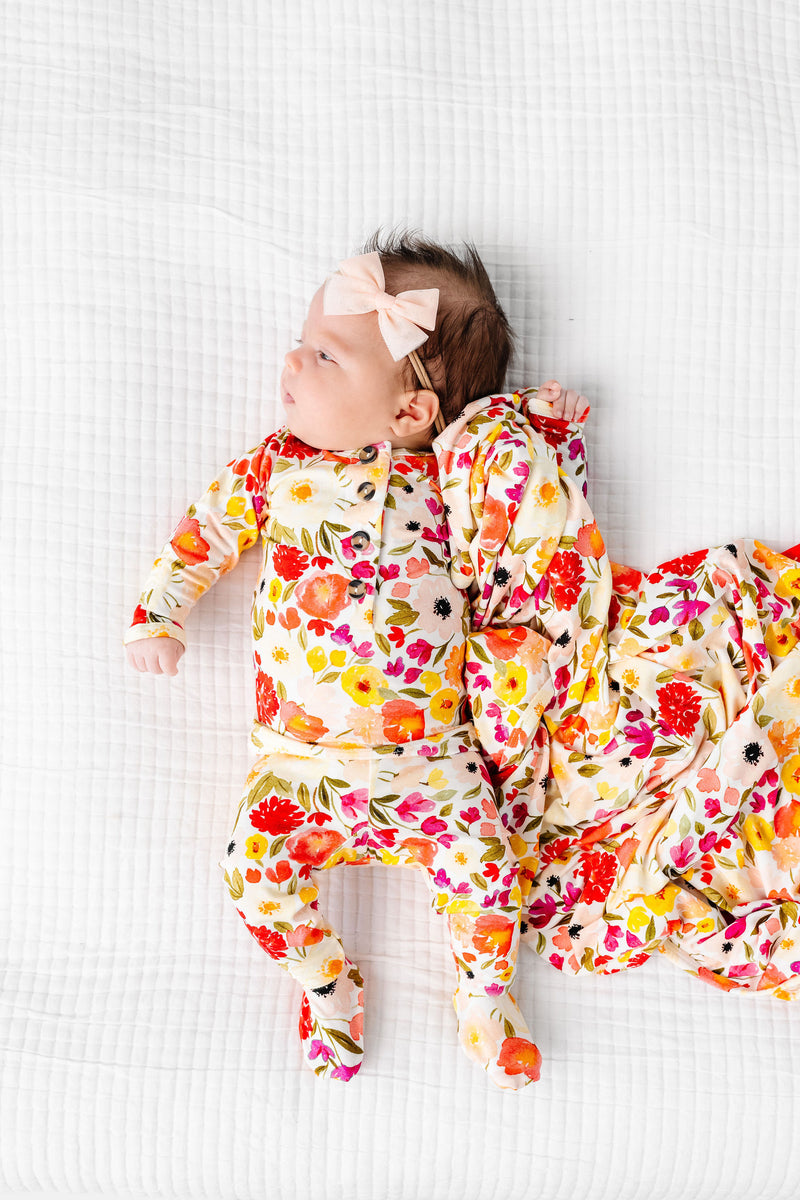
column 467, row 354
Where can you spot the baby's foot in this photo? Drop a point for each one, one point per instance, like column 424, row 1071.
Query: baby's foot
column 332, row 1025
column 493, row 1033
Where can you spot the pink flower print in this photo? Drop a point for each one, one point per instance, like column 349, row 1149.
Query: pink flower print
column 362, row 570
column 469, row 815
column 642, row 737
column 433, row 825
column 420, row 650
column 658, row 615
column 708, row 842
column 688, row 610
column 708, row 780
column 318, row 1049
column 712, row 807
column 417, row 567
column 413, row 804
column 633, row 941
column 557, row 961
column 342, row 636
column 613, row 934
column 354, row 803
column 395, row 668
column 412, row 675
column 345, row 1073
column 441, row 879
column 365, row 650
column 390, row 572
column 487, row 830
column 682, row 855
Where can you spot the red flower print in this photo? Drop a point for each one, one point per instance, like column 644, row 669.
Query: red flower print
column 518, row 1056
column 277, row 816
column 300, row 724
column 314, row 847
column 684, row 565
column 188, row 544
column 323, row 596
column 599, row 871
column 589, row 541
column 268, row 939
column 140, row 616
column 289, row 562
column 493, row 934
column 494, row 526
column 566, row 576
column 402, row 721
column 679, row 706
column 266, row 698
column 305, row 1024
column 625, row 579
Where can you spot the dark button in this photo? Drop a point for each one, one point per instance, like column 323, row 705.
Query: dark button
column 366, row 490
column 359, row 540
column 368, row 454
column 356, row 588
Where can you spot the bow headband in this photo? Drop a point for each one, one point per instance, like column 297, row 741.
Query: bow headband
column 359, row 286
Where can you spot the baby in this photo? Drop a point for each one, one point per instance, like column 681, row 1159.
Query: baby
column 366, row 747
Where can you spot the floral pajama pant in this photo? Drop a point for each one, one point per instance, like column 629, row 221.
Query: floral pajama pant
column 426, row 804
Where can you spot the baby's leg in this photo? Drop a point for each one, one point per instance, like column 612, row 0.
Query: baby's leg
column 447, row 821
column 280, row 837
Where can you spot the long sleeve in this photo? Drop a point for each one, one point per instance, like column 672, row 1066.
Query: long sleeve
column 205, row 545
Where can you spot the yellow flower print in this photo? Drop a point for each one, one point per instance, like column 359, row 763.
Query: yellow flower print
column 638, row 918
column 509, row 683
column 307, row 894
column 769, row 558
column 630, row 678
column 363, row 684
column 437, row 778
column 606, row 792
column 757, row 832
column 430, row 681
column 302, row 491
column 788, row 584
column 547, row 494
column 664, row 901
column 268, row 906
column 257, row 846
column 235, row 506
column 790, row 775
column 332, row 968
column 275, row 590
column 793, row 688
column 316, row 658
column 338, row 657
column 444, row 705
column 280, row 655
column 780, row 638
column 460, row 904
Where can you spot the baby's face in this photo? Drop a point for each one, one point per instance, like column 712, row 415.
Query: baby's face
column 340, row 386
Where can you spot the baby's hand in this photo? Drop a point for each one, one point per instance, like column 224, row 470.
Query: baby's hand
column 567, row 406
column 158, row 655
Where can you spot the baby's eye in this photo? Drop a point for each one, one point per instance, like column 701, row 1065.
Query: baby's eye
column 325, row 357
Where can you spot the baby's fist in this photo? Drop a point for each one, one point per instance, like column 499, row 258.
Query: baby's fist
column 567, row 406
column 156, row 655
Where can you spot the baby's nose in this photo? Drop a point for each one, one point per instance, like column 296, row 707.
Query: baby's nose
column 292, row 359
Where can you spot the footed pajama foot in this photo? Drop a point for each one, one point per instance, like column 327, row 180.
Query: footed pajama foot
column 332, row 1025
column 493, row 1033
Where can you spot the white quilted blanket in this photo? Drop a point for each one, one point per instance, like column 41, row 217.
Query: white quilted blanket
column 176, row 180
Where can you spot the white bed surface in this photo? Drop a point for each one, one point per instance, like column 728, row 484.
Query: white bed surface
column 176, row 181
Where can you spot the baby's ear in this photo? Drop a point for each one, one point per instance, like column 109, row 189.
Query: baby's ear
column 416, row 412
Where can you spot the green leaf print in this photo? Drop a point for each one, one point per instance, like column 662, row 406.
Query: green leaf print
column 235, row 885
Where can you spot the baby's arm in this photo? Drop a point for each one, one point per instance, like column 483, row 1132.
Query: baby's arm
column 205, row 545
